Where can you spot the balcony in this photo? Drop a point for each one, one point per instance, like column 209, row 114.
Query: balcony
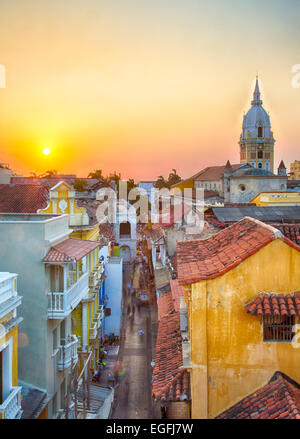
column 99, row 315
column 11, row 407
column 67, row 355
column 93, row 331
column 93, row 280
column 9, row 298
column 60, row 304
column 96, row 323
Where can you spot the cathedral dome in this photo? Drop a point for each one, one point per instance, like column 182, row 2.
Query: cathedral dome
column 256, row 122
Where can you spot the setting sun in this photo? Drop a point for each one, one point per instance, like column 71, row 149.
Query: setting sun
column 46, row 151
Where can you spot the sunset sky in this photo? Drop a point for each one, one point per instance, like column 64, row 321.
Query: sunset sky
column 143, row 86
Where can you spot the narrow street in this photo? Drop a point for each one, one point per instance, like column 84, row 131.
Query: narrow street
column 135, row 401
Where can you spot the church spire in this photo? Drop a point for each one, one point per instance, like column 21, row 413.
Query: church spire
column 256, row 94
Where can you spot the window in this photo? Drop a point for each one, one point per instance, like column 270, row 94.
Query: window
column 260, row 155
column 125, row 229
column 260, row 165
column 242, row 187
column 278, row 328
column 260, row 132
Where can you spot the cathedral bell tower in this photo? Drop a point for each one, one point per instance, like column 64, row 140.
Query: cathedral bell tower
column 257, row 141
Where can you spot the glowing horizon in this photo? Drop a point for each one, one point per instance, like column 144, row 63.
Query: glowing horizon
column 142, row 87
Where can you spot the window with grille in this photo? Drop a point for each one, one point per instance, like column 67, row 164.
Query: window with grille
column 278, row 328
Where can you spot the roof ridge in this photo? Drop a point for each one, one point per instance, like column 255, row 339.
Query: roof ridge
column 286, row 381
column 62, row 253
column 277, row 233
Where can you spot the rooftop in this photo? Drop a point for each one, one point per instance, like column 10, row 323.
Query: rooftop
column 21, row 217
column 212, row 257
column 177, row 292
column 170, row 380
column 271, row 304
column 270, row 214
column 33, row 400
column 213, row 173
column 71, row 249
column 278, row 399
column 27, row 198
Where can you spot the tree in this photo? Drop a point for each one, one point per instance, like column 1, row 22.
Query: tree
column 113, row 176
column 80, row 185
column 160, row 182
column 49, row 174
column 34, row 174
column 97, row 174
column 173, row 178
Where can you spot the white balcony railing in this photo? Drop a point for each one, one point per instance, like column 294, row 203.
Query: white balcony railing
column 7, row 289
column 60, row 304
column 93, row 331
column 68, row 354
column 99, row 315
column 93, row 279
column 11, row 407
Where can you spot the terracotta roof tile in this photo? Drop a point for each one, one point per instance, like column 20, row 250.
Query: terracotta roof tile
column 156, row 233
column 170, row 380
column 278, row 399
column 177, row 292
column 214, row 173
column 69, row 250
column 212, row 257
column 168, row 358
column 165, row 305
column 25, row 198
column 291, row 231
column 275, row 304
column 107, row 231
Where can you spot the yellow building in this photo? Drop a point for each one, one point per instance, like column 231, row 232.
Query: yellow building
column 88, row 315
column 295, row 170
column 247, row 268
column 10, row 392
column 82, row 220
column 277, row 199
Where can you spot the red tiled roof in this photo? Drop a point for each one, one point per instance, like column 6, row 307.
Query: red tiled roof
column 71, row 249
column 177, row 292
column 212, row 257
column 168, row 358
column 213, row 220
column 156, row 233
column 282, row 165
column 279, row 399
column 213, row 173
column 178, row 389
column 165, row 305
column 107, row 231
column 170, row 380
column 291, row 231
column 25, row 198
column 275, row 305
